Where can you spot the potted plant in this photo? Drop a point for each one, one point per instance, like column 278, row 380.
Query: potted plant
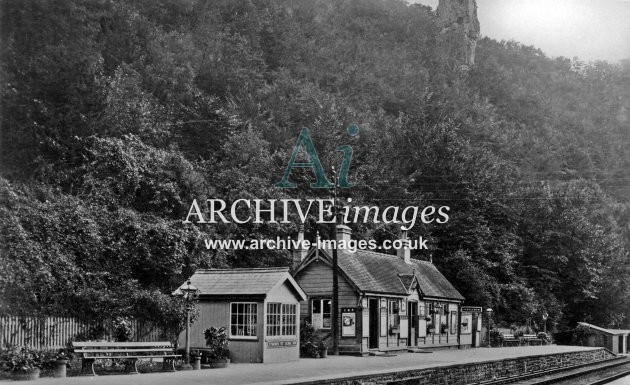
column 217, row 341
column 323, row 349
column 22, row 362
column 60, row 362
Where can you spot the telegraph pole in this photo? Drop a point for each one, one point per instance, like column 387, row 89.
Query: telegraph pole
column 335, row 307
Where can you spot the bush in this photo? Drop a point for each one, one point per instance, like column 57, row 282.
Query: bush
column 495, row 337
column 309, row 343
column 123, row 330
column 580, row 335
column 543, row 337
column 21, row 359
column 217, row 341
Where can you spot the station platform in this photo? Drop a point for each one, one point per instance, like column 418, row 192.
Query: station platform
column 320, row 371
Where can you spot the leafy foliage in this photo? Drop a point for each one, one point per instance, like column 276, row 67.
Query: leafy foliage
column 117, row 115
column 217, row 341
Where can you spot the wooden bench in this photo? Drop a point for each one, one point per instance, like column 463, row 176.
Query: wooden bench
column 531, row 339
column 130, row 352
column 510, row 339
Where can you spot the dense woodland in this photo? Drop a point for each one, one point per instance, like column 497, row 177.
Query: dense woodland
column 116, row 115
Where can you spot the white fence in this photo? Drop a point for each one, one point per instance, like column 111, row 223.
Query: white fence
column 56, row 332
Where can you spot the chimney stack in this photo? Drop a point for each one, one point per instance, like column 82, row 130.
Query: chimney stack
column 344, row 233
column 300, row 252
column 404, row 252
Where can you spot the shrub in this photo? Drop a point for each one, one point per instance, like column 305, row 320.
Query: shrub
column 123, row 330
column 309, row 343
column 217, row 341
column 580, row 335
column 543, row 337
column 20, row 359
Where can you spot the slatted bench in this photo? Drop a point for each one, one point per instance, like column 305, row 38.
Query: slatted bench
column 130, row 352
column 531, row 339
column 510, row 339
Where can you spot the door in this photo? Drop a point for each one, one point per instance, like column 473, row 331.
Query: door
column 413, row 324
column 620, row 339
column 374, row 318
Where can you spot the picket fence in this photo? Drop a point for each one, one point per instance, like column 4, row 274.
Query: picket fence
column 47, row 333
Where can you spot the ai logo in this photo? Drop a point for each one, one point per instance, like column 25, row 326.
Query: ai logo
column 304, row 140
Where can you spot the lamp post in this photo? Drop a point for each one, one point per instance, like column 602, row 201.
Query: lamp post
column 489, row 312
column 189, row 293
column 545, row 315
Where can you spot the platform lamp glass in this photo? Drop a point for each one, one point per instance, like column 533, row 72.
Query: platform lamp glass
column 190, row 294
column 489, row 313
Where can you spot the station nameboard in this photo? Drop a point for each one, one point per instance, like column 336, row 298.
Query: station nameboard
column 472, row 309
column 281, row 344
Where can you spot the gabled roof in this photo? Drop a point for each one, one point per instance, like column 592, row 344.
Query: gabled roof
column 372, row 272
column 408, row 280
column 607, row 331
column 242, row 281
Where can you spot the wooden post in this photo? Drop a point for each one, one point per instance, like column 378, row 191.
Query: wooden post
column 335, row 307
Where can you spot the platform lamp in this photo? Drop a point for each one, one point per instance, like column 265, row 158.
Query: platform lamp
column 489, row 312
column 545, row 315
column 190, row 294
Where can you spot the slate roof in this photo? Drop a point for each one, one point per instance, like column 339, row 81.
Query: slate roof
column 241, row 281
column 406, row 280
column 608, row 331
column 375, row 272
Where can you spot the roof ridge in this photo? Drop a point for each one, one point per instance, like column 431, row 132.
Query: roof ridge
column 376, row 253
column 244, row 269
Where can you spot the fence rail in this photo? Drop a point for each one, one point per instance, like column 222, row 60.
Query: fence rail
column 56, row 332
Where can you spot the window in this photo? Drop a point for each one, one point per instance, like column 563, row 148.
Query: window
column 321, row 313
column 243, row 319
column 281, row 319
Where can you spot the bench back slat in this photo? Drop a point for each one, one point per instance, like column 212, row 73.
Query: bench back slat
column 123, row 350
column 83, row 344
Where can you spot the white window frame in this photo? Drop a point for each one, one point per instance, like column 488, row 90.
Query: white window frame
column 255, row 313
column 283, row 317
column 321, row 301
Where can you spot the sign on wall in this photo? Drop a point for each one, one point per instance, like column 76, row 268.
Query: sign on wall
column 281, row 344
column 467, row 324
column 404, row 326
column 453, row 322
column 471, row 309
column 318, row 320
column 383, row 322
column 348, row 322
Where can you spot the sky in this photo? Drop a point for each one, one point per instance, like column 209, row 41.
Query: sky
column 589, row 29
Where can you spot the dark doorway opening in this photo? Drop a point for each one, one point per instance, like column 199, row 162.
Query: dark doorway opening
column 374, row 310
column 620, row 338
column 474, row 328
column 413, row 324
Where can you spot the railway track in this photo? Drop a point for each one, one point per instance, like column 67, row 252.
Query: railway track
column 599, row 374
column 625, row 375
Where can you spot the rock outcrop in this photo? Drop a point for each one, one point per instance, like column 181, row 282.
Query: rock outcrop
column 459, row 23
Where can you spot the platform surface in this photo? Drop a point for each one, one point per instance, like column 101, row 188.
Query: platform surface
column 313, row 369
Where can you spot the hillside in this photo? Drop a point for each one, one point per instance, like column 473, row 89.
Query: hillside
column 116, row 115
